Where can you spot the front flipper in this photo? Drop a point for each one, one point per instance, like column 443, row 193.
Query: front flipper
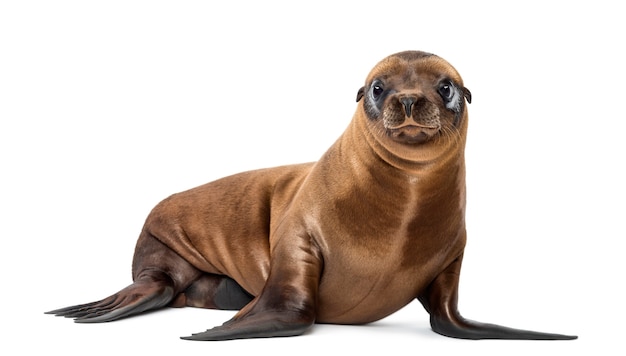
column 286, row 306
column 258, row 324
column 440, row 300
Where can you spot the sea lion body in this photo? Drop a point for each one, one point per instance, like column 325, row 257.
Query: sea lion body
column 378, row 221
column 237, row 213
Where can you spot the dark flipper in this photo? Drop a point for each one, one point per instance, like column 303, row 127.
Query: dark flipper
column 287, row 304
column 214, row 292
column 208, row 291
column 266, row 324
column 468, row 329
column 152, row 288
column 221, row 333
column 440, row 300
column 134, row 299
column 260, row 319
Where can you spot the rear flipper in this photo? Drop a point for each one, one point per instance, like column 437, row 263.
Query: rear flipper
column 208, row 291
column 213, row 292
column 138, row 297
column 153, row 288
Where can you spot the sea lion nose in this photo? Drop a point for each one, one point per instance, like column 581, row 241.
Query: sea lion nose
column 408, row 101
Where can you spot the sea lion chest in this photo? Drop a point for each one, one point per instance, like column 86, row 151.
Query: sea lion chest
column 383, row 235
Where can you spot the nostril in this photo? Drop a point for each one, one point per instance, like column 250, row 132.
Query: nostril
column 407, row 102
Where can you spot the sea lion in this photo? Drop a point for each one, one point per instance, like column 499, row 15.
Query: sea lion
column 378, row 221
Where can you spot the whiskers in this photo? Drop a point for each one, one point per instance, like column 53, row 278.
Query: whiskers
column 448, row 135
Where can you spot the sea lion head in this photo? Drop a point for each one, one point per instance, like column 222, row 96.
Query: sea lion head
column 414, row 98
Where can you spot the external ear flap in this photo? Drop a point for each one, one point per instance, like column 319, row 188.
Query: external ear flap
column 467, row 94
column 360, row 94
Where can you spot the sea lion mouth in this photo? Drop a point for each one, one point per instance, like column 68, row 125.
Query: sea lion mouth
column 413, row 133
column 411, row 124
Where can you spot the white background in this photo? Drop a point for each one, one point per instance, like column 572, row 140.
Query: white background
column 108, row 107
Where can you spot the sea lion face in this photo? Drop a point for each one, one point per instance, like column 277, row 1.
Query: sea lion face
column 413, row 97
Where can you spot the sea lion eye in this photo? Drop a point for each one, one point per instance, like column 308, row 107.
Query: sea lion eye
column 377, row 90
column 446, row 91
